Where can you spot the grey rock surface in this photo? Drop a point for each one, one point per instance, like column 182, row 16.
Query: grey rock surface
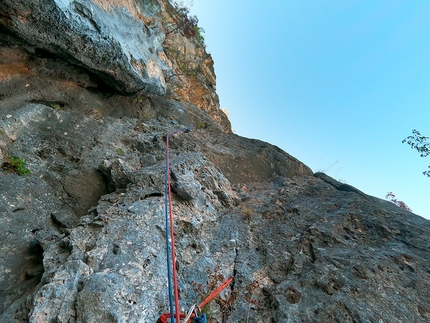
column 300, row 248
column 133, row 47
column 329, row 256
column 110, row 38
column 25, row 206
column 83, row 234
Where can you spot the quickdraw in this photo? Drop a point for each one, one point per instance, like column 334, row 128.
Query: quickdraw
column 200, row 319
column 164, row 318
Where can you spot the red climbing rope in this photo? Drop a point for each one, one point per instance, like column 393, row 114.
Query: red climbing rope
column 164, row 317
column 172, row 235
column 170, row 227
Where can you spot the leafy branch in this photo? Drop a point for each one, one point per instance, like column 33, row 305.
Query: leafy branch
column 392, row 198
column 421, row 144
column 188, row 23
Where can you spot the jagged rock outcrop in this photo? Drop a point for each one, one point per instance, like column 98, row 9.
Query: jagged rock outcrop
column 110, row 38
column 83, row 233
column 131, row 46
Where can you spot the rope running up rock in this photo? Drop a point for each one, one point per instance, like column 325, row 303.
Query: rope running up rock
column 171, row 257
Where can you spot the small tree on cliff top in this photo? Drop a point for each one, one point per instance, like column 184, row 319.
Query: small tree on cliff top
column 188, row 23
column 419, row 143
column 392, row 198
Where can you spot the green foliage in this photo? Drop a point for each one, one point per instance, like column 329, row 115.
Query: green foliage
column 421, row 144
column 55, row 106
column 199, row 35
column 188, row 23
column 120, row 152
column 16, row 165
column 201, row 125
column 139, row 99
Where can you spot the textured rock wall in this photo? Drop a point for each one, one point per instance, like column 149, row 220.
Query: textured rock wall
column 132, row 46
column 82, row 236
column 300, row 248
column 192, row 78
column 106, row 37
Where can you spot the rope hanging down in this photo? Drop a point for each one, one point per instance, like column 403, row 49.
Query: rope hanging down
column 171, row 263
column 171, row 258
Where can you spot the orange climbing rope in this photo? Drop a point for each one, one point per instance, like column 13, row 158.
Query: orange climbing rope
column 216, row 292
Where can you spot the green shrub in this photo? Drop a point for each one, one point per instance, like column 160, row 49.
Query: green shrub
column 139, row 99
column 16, row 165
column 199, row 35
column 55, row 105
column 188, row 23
column 120, row 152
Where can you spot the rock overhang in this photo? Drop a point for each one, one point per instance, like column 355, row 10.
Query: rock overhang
column 120, row 42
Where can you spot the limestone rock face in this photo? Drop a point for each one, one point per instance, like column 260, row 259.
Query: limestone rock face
column 130, row 45
column 83, row 234
column 108, row 37
column 329, row 256
column 192, row 78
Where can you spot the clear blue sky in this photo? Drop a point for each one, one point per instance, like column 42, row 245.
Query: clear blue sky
column 336, row 84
